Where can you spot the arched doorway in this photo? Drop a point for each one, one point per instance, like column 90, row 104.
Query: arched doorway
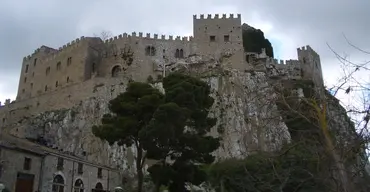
column 98, row 188
column 78, row 186
column 58, row 184
column 116, row 70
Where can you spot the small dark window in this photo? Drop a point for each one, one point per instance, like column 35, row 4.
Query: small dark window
column 59, row 65
column 93, row 67
column 56, row 84
column 80, row 168
column 25, row 79
column 226, row 38
column 67, row 79
column 177, row 53
column 31, row 85
column 23, row 90
column 46, row 87
column 60, row 164
column 181, row 55
column 33, row 74
column 69, row 61
column 26, row 69
column 212, row 38
column 304, row 60
column 34, row 62
column 150, row 51
column 27, row 163
column 47, row 71
column 100, row 173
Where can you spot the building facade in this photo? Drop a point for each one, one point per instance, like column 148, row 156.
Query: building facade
column 29, row 167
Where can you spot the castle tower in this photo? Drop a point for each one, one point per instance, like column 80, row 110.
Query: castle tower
column 310, row 64
column 217, row 36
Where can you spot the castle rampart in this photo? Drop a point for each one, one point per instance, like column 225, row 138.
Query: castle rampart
column 149, row 36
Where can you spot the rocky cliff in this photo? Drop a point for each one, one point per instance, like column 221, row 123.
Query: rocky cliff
column 248, row 119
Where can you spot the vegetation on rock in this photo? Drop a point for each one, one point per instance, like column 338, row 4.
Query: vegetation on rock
column 254, row 40
column 170, row 128
column 312, row 161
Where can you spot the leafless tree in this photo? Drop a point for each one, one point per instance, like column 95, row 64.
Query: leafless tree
column 104, row 35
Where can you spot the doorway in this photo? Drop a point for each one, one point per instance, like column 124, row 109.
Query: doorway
column 24, row 182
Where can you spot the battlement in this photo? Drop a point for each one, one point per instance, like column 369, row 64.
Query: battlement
column 149, row 36
column 307, row 48
column 69, row 45
column 217, row 16
column 273, row 61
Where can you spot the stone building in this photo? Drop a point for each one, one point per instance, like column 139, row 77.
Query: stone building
column 29, row 167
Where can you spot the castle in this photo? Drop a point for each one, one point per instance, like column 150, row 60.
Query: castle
column 89, row 71
column 48, row 69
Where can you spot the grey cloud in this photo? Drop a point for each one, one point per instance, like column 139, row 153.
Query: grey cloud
column 26, row 25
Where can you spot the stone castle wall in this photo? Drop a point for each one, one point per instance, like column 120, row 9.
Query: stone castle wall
column 49, row 69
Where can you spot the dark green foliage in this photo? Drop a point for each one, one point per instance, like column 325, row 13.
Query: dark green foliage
column 167, row 126
column 130, row 112
column 301, row 166
column 187, row 105
column 254, row 40
column 294, row 168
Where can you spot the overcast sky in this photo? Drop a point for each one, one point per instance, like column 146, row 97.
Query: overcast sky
column 25, row 25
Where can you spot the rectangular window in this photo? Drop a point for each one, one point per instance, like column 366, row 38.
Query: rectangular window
column 31, row 85
column 80, row 168
column 100, row 173
column 59, row 66
column 226, row 38
column 34, row 62
column 25, row 79
column 47, row 71
column 27, row 163
column 26, row 69
column 60, row 164
column 212, row 38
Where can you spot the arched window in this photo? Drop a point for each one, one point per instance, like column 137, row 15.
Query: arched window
column 177, row 53
column 98, row 188
column 116, row 70
column 150, row 51
column 79, row 186
column 58, row 184
column 181, row 55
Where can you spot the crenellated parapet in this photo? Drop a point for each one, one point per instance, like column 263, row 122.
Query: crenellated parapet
column 282, row 63
column 149, row 36
column 307, row 48
column 70, row 45
column 216, row 16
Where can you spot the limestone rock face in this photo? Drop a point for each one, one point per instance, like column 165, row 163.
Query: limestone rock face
column 247, row 117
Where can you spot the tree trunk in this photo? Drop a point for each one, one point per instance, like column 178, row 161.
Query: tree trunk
column 140, row 175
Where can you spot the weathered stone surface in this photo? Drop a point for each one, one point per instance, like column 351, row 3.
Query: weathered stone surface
column 247, row 120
